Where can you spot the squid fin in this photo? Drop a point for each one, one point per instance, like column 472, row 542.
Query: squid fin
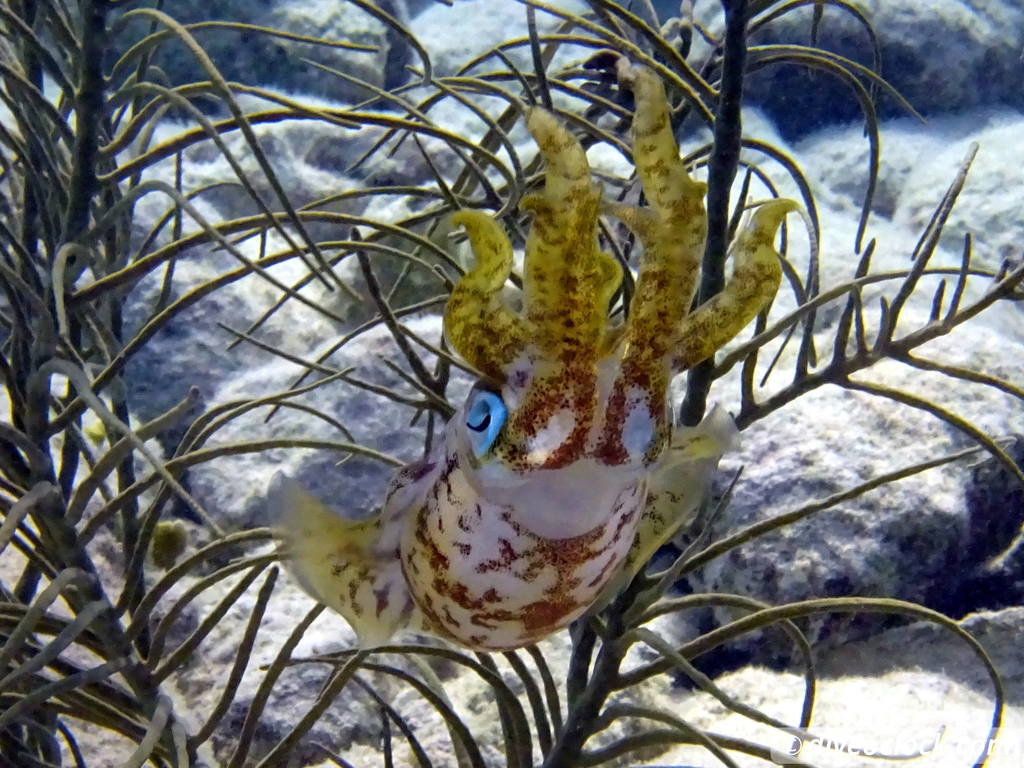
column 348, row 565
column 676, row 488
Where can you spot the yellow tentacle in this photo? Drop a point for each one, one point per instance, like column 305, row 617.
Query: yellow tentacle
column 477, row 324
column 564, row 274
column 672, row 231
column 755, row 279
column 609, row 278
column 667, row 185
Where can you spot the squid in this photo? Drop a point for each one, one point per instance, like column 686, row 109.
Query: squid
column 562, row 472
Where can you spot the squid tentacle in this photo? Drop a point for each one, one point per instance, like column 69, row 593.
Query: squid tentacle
column 564, row 270
column 751, row 288
column 672, row 232
column 478, row 325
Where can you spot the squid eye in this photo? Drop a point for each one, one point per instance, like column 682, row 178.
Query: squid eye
column 484, row 419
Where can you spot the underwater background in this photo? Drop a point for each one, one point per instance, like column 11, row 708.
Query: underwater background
column 185, row 315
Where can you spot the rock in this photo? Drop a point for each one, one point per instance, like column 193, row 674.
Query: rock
column 985, row 208
column 251, row 57
column 236, row 486
column 946, row 56
column 417, row 7
column 384, row 68
column 198, row 684
column 494, row 21
column 927, row 538
column 310, row 160
column 904, row 540
column 918, row 163
column 995, row 508
column 900, row 692
column 192, row 349
column 281, row 63
column 907, row 685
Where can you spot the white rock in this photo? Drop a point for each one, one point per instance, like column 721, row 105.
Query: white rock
column 902, row 691
column 456, row 34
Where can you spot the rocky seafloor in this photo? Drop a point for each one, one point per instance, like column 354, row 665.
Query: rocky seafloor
column 929, row 538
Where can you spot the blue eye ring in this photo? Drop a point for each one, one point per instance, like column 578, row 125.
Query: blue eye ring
column 484, row 419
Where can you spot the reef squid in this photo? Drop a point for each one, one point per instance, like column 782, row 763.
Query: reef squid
column 562, row 472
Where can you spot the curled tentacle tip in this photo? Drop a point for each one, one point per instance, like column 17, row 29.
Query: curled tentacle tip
column 767, row 217
column 775, row 209
column 459, row 218
column 539, row 118
column 532, row 203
